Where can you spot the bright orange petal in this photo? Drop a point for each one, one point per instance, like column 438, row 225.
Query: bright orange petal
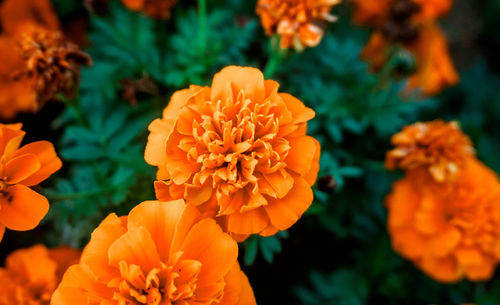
column 2, row 231
column 47, row 156
column 21, row 167
column 248, row 222
column 233, row 79
column 301, row 155
column 22, row 208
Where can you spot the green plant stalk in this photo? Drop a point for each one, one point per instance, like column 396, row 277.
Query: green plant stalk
column 276, row 56
column 202, row 28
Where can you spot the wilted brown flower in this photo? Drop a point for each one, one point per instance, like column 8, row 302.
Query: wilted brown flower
column 298, row 22
column 51, row 62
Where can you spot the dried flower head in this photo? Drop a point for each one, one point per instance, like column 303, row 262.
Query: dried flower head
column 31, row 275
column 237, row 151
column 51, row 62
column 440, row 147
column 159, row 9
column 21, row 208
column 450, row 230
column 161, row 253
column 299, row 22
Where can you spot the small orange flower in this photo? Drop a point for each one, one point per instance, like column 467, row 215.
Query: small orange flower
column 298, row 22
column 435, row 70
column 31, row 275
column 237, row 151
column 159, row 9
column 14, row 13
column 21, row 208
column 440, row 147
column 161, row 253
column 449, row 230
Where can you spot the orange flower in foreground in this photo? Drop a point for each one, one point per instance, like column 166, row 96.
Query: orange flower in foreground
column 21, row 208
column 435, row 69
column 298, row 22
column 162, row 253
column 31, row 275
column 159, row 9
column 440, row 147
column 41, row 63
column 237, row 151
column 17, row 12
column 449, row 230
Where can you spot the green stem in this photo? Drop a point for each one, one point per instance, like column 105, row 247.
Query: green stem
column 276, row 56
column 202, row 27
column 73, row 107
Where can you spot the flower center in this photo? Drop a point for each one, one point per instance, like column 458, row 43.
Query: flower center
column 167, row 284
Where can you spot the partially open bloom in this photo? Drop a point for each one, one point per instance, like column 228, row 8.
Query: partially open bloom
column 21, row 208
column 159, row 9
column 440, row 147
column 31, row 275
column 299, row 22
column 450, row 230
column 161, row 253
column 238, row 151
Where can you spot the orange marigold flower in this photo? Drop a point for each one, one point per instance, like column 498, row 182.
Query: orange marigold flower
column 237, row 151
column 21, row 208
column 161, row 253
column 14, row 13
column 435, row 69
column 159, row 9
column 31, row 275
column 298, row 22
column 440, row 147
column 449, row 230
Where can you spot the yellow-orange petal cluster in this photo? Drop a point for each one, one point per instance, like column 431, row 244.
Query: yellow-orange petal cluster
column 159, row 9
column 38, row 61
column 31, row 275
column 440, row 147
column 161, row 253
column 21, row 208
column 238, row 151
column 409, row 24
column 444, row 215
column 450, row 230
column 299, row 22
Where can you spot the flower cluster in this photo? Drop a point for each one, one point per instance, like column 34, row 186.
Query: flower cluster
column 31, row 275
column 299, row 22
column 444, row 215
column 38, row 61
column 238, row 151
column 161, row 253
column 21, row 208
column 411, row 25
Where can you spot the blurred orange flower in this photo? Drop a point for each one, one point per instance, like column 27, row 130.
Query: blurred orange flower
column 237, row 151
column 435, row 70
column 159, row 9
column 31, row 275
column 38, row 61
column 376, row 13
column 298, row 22
column 449, row 230
column 440, row 147
column 21, row 208
column 161, row 253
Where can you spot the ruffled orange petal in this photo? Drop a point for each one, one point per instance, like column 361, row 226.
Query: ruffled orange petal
column 301, row 154
column 49, row 161
column 248, row 222
column 22, row 208
column 285, row 212
column 19, row 168
column 231, row 80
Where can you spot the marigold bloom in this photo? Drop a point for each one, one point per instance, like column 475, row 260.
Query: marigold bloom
column 435, row 70
column 298, row 22
column 449, row 230
column 440, row 147
column 161, row 253
column 21, row 208
column 238, row 151
column 14, row 13
column 31, row 275
column 159, row 9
